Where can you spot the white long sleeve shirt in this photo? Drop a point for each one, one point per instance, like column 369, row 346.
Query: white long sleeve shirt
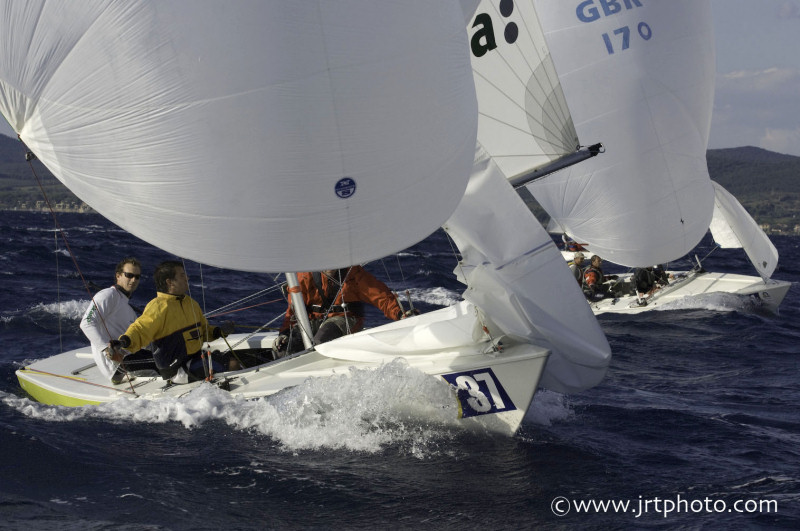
column 106, row 318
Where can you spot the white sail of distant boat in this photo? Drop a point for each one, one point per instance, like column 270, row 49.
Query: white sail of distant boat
column 289, row 136
column 640, row 76
column 733, row 228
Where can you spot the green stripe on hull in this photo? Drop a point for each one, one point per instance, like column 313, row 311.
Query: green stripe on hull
column 46, row 396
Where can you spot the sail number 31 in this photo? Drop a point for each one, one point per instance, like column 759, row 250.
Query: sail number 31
column 479, row 392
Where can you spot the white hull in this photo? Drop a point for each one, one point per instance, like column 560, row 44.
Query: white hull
column 492, row 390
column 687, row 286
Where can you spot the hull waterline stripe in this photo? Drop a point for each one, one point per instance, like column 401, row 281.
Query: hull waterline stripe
column 79, row 380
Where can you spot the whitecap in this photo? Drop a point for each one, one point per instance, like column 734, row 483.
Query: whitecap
column 363, row 410
column 70, row 309
column 437, row 296
column 546, row 407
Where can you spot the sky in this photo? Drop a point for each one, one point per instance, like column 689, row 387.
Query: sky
column 757, row 99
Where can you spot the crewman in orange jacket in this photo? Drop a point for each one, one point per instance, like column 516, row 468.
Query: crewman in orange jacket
column 335, row 304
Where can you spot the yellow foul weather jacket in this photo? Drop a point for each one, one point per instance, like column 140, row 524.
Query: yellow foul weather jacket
column 175, row 325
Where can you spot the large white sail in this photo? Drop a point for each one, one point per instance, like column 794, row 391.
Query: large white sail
column 524, row 119
column 733, row 227
column 639, row 77
column 514, row 273
column 254, row 135
column 516, row 276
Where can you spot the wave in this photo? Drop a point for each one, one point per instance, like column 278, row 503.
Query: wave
column 718, row 302
column 363, row 410
column 45, row 315
column 68, row 309
column 436, row 296
column 548, row 406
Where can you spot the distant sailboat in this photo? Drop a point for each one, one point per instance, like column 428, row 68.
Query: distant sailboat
column 293, row 136
column 640, row 75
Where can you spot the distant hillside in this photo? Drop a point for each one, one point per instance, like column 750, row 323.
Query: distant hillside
column 19, row 188
column 766, row 183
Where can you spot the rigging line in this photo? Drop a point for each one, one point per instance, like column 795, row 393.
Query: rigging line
column 30, row 157
column 194, row 316
column 212, row 315
column 203, row 289
column 58, row 295
column 386, row 269
column 716, row 246
column 338, row 293
column 257, row 330
column 226, row 307
column 400, row 267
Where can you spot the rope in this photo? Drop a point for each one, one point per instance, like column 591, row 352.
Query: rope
column 30, row 157
column 338, row 293
column 209, row 316
column 80, row 380
column 58, row 294
column 221, row 310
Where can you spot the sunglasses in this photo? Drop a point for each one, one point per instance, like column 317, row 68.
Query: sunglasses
column 131, row 275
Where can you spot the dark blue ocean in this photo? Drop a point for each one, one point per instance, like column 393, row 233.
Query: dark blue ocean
column 696, row 426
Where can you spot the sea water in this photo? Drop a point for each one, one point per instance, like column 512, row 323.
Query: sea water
column 696, row 425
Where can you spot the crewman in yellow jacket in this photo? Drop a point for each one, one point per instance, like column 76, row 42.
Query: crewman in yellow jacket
column 175, row 325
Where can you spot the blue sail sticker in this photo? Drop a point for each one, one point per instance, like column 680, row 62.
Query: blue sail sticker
column 479, row 392
column 345, row 188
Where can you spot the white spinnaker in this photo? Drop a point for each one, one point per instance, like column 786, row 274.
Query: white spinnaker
column 733, row 227
column 231, row 133
column 516, row 276
column 639, row 77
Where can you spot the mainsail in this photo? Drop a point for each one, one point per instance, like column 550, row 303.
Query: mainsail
column 264, row 135
column 639, row 76
column 513, row 271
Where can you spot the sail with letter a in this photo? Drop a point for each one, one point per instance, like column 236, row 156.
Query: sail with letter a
column 514, row 272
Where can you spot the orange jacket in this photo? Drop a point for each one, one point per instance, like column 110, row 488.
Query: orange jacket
column 359, row 286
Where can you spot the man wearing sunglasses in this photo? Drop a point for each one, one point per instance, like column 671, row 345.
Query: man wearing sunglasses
column 109, row 315
column 177, row 329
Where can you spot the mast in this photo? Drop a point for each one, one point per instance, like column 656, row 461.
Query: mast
column 299, row 307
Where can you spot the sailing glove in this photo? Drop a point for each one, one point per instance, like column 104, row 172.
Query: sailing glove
column 279, row 345
column 222, row 330
column 123, row 342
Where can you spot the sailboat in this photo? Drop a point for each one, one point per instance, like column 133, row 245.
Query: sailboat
column 303, row 136
column 641, row 74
